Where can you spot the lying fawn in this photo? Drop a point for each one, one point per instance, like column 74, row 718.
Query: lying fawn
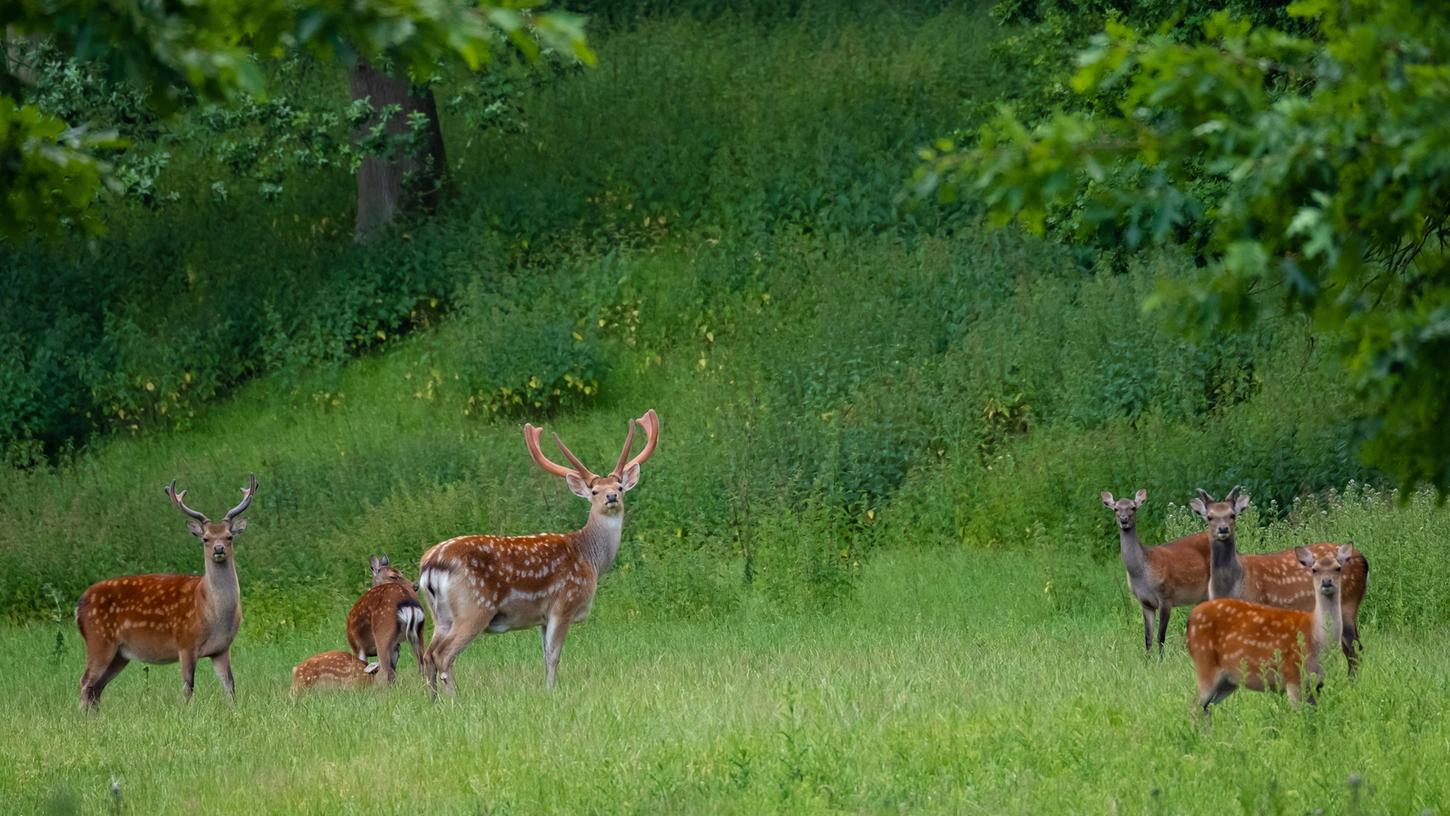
column 331, row 669
column 384, row 617
column 1236, row 643
column 478, row 583
column 1275, row 579
column 1162, row 577
column 167, row 618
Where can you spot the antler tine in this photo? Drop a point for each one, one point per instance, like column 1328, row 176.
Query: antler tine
column 179, row 499
column 247, row 493
column 650, row 422
column 624, row 454
column 531, row 439
column 574, row 460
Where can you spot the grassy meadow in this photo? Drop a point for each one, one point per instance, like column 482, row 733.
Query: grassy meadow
column 951, row 684
column 867, row 569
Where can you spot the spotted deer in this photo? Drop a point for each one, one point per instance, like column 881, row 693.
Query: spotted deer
column 168, row 618
column 1274, row 579
column 1262, row 648
column 1161, row 577
column 384, row 617
column 478, row 583
column 331, row 670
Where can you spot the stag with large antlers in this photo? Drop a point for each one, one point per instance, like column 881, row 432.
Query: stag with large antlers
column 478, row 583
column 168, row 618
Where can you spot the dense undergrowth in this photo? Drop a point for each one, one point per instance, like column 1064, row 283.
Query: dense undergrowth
column 709, row 224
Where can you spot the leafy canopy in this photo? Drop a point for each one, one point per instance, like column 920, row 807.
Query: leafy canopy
column 1311, row 170
column 212, row 51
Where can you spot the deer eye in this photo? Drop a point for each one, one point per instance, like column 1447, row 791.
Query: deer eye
column 594, row 492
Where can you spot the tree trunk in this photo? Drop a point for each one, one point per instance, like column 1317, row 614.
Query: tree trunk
column 403, row 178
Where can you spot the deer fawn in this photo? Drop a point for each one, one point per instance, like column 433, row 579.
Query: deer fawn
column 501, row 583
column 331, row 669
column 384, row 617
column 1162, row 577
column 1275, row 579
column 165, row 618
column 1236, row 643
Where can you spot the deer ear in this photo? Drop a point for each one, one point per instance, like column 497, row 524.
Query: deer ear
column 1140, row 497
column 1200, row 508
column 1345, row 551
column 1241, row 503
column 629, row 479
column 238, row 524
column 1305, row 557
column 371, row 668
column 374, row 564
column 194, row 527
column 1107, row 498
column 577, row 484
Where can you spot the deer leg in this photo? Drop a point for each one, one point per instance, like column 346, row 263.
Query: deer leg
column 1164, row 613
column 415, row 645
column 1349, row 641
column 1147, row 629
column 1291, row 690
column 442, row 652
column 389, row 659
column 222, row 665
column 188, row 674
column 95, row 680
column 1213, row 690
column 554, row 634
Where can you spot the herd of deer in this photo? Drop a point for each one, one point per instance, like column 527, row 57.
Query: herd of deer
column 1261, row 621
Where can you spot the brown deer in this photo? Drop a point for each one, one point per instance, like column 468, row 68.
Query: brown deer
column 475, row 583
column 1275, row 579
column 384, row 617
column 166, row 618
column 1161, row 577
column 1236, row 643
column 331, row 669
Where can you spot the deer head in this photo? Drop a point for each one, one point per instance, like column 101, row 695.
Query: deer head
column 384, row 572
column 605, row 493
column 1220, row 516
column 1327, row 570
column 1124, row 509
column 216, row 534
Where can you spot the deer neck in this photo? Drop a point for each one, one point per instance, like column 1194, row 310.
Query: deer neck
column 1133, row 558
column 1328, row 620
column 599, row 540
column 219, row 584
column 1225, row 573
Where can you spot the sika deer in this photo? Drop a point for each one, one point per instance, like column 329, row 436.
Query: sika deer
column 384, row 617
column 1275, row 579
column 166, row 618
column 478, row 583
column 1236, row 643
column 331, row 669
column 1162, row 577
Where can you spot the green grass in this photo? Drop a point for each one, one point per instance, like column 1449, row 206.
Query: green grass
column 951, row 685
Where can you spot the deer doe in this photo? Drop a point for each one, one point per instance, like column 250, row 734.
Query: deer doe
column 168, row 618
column 1161, row 577
column 1236, row 643
column 1275, row 579
column 478, row 583
column 384, row 617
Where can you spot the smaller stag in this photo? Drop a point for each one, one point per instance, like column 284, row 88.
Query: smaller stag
column 167, row 618
column 1162, row 577
column 331, row 670
column 478, row 583
column 1274, row 579
column 1236, row 643
column 384, row 617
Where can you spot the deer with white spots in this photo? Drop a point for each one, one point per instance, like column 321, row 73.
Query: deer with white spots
column 478, row 583
column 168, row 618
column 332, row 670
column 1161, row 577
column 385, row 617
column 1276, row 579
column 1236, row 643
